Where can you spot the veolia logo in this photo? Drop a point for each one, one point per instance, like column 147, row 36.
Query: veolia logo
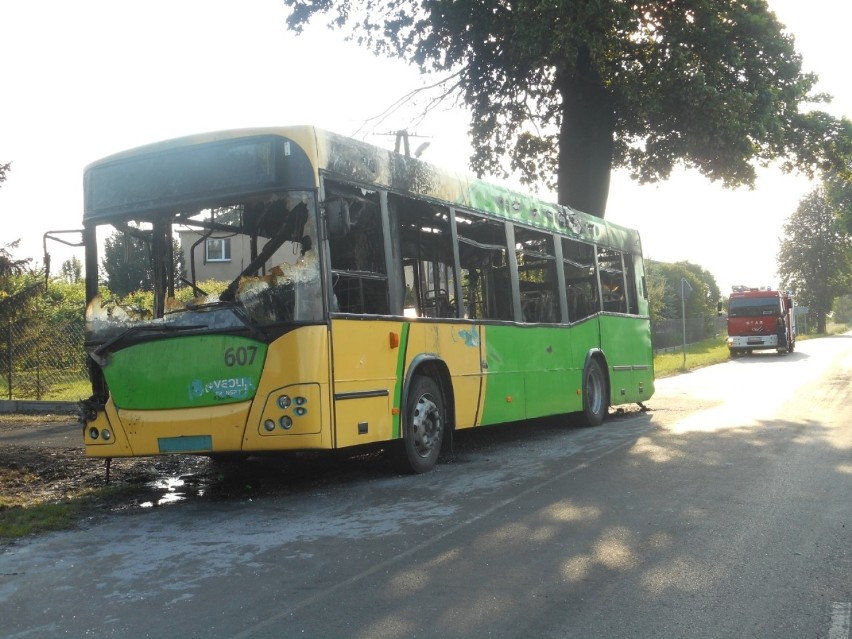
column 230, row 388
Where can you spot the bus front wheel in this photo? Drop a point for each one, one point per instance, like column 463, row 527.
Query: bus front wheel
column 422, row 427
column 594, row 393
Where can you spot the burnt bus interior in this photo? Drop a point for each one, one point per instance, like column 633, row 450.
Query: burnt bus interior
column 458, row 264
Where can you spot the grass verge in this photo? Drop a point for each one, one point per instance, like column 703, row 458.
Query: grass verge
column 705, row 353
column 23, row 517
column 21, row 521
column 715, row 351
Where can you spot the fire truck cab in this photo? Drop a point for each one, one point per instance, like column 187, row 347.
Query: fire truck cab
column 760, row 319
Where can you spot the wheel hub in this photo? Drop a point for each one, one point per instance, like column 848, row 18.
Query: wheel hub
column 427, row 426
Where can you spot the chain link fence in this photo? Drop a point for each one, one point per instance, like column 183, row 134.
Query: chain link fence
column 43, row 361
column 669, row 334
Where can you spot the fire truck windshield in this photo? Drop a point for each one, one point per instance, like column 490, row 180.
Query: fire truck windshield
column 754, row 306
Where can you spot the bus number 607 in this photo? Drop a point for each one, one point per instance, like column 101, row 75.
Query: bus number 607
column 240, row 356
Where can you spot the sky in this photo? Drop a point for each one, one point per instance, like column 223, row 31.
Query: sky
column 85, row 79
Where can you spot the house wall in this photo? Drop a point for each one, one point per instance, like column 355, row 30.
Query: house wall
column 240, row 256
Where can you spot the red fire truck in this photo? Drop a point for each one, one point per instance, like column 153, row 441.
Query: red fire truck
column 760, row 319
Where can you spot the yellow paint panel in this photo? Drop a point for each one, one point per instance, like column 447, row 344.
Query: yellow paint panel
column 118, row 446
column 298, row 358
column 458, row 346
column 363, row 357
column 365, row 365
column 363, row 420
column 224, row 424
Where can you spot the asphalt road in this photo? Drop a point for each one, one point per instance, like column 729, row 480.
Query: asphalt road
column 724, row 511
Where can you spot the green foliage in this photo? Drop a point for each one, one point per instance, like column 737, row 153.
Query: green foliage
column 838, row 191
column 664, row 287
column 12, row 298
column 44, row 336
column 64, row 301
column 815, row 255
column 18, row 290
column 72, row 270
column 842, row 309
column 9, row 266
column 210, row 287
column 569, row 89
column 141, row 302
column 127, row 263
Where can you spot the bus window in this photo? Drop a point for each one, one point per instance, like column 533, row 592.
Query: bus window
column 484, row 263
column 630, row 282
column 427, row 258
column 537, row 276
column 359, row 275
column 581, row 285
column 612, row 280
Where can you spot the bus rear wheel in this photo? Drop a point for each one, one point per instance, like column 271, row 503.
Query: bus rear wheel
column 422, row 427
column 594, row 393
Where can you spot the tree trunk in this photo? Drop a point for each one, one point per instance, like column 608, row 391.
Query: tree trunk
column 585, row 138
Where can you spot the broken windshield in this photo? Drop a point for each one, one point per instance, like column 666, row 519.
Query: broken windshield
column 239, row 266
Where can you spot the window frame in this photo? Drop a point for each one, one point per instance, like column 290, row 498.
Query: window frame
column 226, row 250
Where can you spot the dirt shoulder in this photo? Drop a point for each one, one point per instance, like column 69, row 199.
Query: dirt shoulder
column 42, row 459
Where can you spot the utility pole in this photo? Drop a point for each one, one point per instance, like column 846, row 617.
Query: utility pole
column 685, row 291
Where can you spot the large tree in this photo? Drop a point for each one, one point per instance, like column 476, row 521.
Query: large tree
column 12, row 298
column 569, row 89
column 815, row 255
column 838, row 190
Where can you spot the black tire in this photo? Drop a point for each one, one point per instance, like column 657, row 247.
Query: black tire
column 422, row 427
column 595, row 393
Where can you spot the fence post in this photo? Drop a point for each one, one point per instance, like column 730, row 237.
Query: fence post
column 38, row 372
column 685, row 290
column 9, row 358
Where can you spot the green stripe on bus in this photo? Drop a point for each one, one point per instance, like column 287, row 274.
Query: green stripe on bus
column 400, row 371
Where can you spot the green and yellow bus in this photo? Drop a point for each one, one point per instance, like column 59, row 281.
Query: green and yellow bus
column 371, row 298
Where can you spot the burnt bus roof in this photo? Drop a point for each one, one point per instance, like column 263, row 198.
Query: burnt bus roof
column 212, row 168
